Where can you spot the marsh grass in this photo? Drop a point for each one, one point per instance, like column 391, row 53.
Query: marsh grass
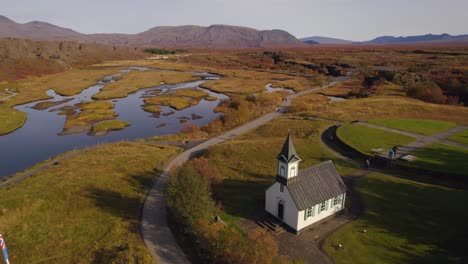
column 109, row 125
column 389, row 107
column 135, row 80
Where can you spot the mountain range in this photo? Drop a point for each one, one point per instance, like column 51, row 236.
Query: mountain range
column 214, row 36
column 190, row 36
column 428, row 39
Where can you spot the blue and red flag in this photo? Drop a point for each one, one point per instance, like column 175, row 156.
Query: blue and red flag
column 4, row 249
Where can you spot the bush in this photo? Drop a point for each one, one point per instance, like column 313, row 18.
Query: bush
column 189, row 198
column 427, row 91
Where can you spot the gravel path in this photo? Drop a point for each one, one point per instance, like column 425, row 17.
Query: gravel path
column 154, row 229
column 11, row 94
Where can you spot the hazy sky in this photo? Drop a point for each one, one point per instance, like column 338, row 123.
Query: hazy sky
column 348, row 19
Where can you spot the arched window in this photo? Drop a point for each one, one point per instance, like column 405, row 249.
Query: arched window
column 282, row 171
column 293, row 171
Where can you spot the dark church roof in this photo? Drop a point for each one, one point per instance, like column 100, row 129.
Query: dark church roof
column 315, row 185
column 288, row 152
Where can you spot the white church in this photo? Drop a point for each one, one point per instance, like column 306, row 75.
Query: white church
column 300, row 198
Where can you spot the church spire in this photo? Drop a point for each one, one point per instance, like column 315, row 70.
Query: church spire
column 288, row 152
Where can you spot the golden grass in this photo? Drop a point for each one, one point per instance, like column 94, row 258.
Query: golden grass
column 245, row 81
column 135, row 80
column 178, row 99
column 389, row 107
column 10, row 119
column 85, row 209
column 177, row 103
column 90, row 113
column 109, row 125
column 152, row 108
column 33, row 89
column 66, row 83
column 342, row 89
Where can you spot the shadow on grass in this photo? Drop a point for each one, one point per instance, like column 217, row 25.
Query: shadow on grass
column 126, row 204
column 244, row 196
column 431, row 219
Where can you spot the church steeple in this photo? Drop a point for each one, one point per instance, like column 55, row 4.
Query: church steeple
column 288, row 152
column 288, row 161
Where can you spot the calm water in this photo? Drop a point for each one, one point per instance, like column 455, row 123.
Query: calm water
column 40, row 138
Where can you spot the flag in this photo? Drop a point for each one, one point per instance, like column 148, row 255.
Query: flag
column 4, row 249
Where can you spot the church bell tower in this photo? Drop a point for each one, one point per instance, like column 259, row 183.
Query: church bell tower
column 288, row 162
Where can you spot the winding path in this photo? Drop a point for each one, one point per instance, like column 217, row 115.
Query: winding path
column 154, row 229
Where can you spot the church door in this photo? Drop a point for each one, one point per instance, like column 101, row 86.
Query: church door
column 280, row 209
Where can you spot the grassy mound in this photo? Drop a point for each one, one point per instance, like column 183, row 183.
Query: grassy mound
column 364, row 138
column 420, row 126
column 461, row 137
column 406, row 222
column 441, row 158
column 85, row 209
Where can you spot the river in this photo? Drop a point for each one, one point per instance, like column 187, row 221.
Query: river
column 40, row 137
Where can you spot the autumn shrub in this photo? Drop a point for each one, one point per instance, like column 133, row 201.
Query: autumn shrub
column 192, row 211
column 427, row 91
column 189, row 198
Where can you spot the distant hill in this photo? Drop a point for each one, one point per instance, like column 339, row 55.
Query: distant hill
column 215, row 36
column 428, row 38
column 310, row 42
column 325, row 40
column 443, row 38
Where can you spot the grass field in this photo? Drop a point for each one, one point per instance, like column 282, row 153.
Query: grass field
column 364, row 138
column 461, row 137
column 247, row 164
column 10, row 119
column 406, row 222
column 66, row 83
column 109, row 125
column 389, row 107
column 135, row 80
column 90, row 113
column 33, row 89
column 442, row 158
column 85, row 209
column 420, row 126
column 178, row 99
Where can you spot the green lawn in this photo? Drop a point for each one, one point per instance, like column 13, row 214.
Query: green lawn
column 461, row 137
column 364, row 138
column 85, row 209
column 443, row 158
column 406, row 222
column 248, row 163
column 420, row 126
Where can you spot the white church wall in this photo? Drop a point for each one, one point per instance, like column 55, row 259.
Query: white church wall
column 272, row 197
column 302, row 223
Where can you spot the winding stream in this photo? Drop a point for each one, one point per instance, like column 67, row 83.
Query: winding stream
column 39, row 138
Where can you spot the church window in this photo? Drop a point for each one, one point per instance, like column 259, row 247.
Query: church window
column 322, row 206
column 293, row 171
column 335, row 201
column 282, row 170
